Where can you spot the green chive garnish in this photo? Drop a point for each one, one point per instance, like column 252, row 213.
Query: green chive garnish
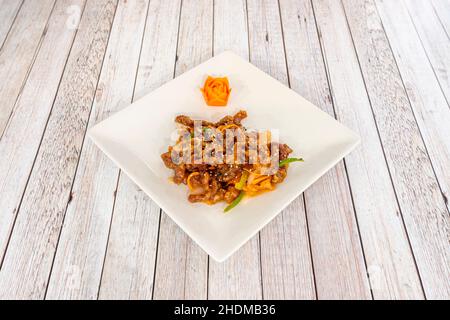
column 289, row 160
column 235, row 202
column 240, row 185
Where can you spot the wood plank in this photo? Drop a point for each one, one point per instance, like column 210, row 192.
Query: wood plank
column 7, row 16
column 31, row 250
column 373, row 194
column 442, row 9
column 425, row 95
column 331, row 217
column 428, row 232
column 239, row 277
column 285, row 254
column 410, row 168
column 375, row 200
column 182, row 267
column 130, row 260
column 159, row 48
column 84, row 237
column 434, row 39
column 23, row 134
column 230, row 27
column 21, row 46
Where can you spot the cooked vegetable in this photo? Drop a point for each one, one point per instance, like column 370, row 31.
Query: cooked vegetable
column 216, row 91
column 235, row 202
column 188, row 180
column 289, row 160
column 242, row 181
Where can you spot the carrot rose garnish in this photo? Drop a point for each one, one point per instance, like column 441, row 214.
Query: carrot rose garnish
column 216, row 91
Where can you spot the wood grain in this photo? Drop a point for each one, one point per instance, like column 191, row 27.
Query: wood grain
column 30, row 253
column 8, row 14
column 285, row 254
column 182, row 268
column 131, row 256
column 434, row 39
column 406, row 156
column 130, row 261
column 239, row 277
column 331, row 217
column 84, row 237
column 374, row 198
column 442, row 9
column 21, row 46
column 430, row 108
column 23, row 134
column 377, row 225
column 429, row 231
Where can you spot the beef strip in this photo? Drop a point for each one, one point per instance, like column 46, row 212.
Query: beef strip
column 185, row 120
column 180, row 174
column 284, row 151
column 167, row 159
column 224, row 121
column 188, row 122
column 238, row 117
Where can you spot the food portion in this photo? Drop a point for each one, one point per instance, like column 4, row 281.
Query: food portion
column 216, row 91
column 223, row 161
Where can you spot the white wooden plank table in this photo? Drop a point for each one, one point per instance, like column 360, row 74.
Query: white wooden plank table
column 376, row 226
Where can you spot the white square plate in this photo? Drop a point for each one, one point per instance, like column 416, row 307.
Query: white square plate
column 135, row 137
